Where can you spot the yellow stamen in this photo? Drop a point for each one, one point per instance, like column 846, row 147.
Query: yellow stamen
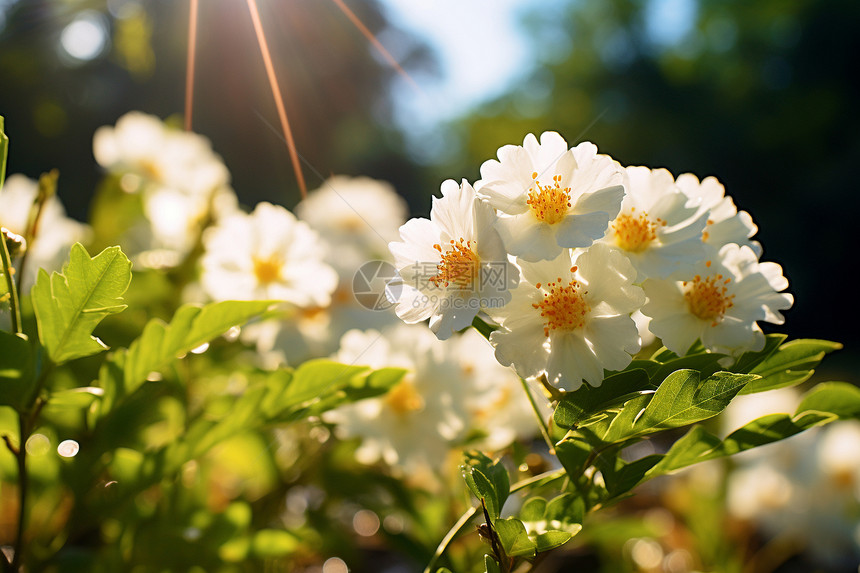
column 563, row 307
column 549, row 203
column 459, row 265
column 708, row 298
column 404, row 398
column 635, row 232
column 267, row 270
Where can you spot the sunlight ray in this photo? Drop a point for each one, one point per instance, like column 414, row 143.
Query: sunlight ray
column 189, row 71
column 376, row 43
column 276, row 92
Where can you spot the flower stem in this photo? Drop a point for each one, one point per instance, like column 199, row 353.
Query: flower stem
column 544, row 428
column 467, row 516
column 14, row 305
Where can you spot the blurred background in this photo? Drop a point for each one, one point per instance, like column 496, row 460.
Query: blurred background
column 762, row 95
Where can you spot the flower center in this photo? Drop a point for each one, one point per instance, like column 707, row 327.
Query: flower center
column 267, row 270
column 150, row 169
column 708, row 297
column 550, row 202
column 403, row 398
column 459, row 265
column 635, row 232
column 563, row 307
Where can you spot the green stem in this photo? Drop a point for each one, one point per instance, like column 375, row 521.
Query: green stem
column 21, row 457
column 544, row 428
column 467, row 516
column 14, row 304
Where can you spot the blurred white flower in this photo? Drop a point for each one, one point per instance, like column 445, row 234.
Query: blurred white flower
column 357, row 216
column 452, row 265
column 143, row 146
column 498, row 405
column 657, row 228
column 569, row 318
column 725, row 224
column 550, row 197
column 416, row 423
column 719, row 302
column 183, row 184
column 806, row 488
column 56, row 233
column 267, row 254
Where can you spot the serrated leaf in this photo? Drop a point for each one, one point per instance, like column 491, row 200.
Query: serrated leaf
column 17, row 380
column 70, row 305
column 191, row 326
column 514, row 538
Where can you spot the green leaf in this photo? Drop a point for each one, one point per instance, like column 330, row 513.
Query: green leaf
column 566, row 512
column 552, row 539
column 191, row 326
column 750, row 360
column 791, row 364
column 488, row 480
column 74, row 398
column 490, row 565
column 317, row 378
column 17, row 371
column 515, row 540
column 680, row 400
column 838, row 398
column 533, row 510
column 616, row 389
column 70, row 305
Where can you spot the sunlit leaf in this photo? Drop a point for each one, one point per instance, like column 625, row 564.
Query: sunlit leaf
column 488, row 480
column 515, row 540
column 616, row 389
column 191, row 326
column 790, row 364
column 70, row 305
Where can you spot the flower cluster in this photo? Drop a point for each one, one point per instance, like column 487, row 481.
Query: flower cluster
column 181, row 182
column 561, row 247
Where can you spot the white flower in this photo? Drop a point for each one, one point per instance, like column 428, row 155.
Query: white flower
column 56, row 233
column 725, row 223
column 142, row 146
column 452, row 265
column 268, row 254
column 416, row 423
column 498, row 405
column 358, row 216
column 570, row 318
column 181, row 183
column 550, row 197
column 657, row 228
column 719, row 302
